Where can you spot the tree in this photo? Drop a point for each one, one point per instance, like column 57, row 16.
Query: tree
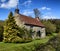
column 37, row 13
column 11, row 30
column 57, row 23
column 50, row 28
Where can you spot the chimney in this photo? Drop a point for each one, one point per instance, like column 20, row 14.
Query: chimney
column 17, row 10
column 37, row 18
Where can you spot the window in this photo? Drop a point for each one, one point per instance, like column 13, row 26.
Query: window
column 31, row 27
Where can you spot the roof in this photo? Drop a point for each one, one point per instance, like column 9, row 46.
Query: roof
column 30, row 21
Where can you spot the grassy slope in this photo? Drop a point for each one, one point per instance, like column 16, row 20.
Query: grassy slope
column 22, row 47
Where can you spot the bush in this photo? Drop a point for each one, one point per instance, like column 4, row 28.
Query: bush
column 17, row 40
column 14, row 39
column 28, row 40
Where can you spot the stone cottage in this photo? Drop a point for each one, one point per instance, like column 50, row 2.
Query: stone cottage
column 30, row 23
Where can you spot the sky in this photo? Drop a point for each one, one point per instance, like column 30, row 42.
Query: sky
column 50, row 9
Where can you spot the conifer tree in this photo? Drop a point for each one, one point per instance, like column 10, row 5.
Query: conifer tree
column 11, row 30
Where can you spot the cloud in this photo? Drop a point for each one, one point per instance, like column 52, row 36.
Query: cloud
column 49, row 17
column 27, row 12
column 27, row 3
column 3, row 0
column 9, row 4
column 45, row 8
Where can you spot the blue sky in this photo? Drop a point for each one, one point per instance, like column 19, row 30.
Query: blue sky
column 48, row 8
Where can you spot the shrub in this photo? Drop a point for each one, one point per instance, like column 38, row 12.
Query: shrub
column 17, row 40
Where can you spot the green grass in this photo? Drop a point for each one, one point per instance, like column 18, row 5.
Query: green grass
column 23, row 46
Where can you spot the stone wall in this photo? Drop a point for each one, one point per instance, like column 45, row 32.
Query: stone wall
column 36, row 29
column 43, row 33
column 18, row 21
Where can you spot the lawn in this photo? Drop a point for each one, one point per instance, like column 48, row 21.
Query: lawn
column 23, row 46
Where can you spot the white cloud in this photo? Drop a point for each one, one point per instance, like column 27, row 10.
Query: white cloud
column 49, row 17
column 3, row 0
column 9, row 4
column 45, row 8
column 27, row 3
column 27, row 12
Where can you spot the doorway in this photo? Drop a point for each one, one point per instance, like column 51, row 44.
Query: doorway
column 38, row 33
